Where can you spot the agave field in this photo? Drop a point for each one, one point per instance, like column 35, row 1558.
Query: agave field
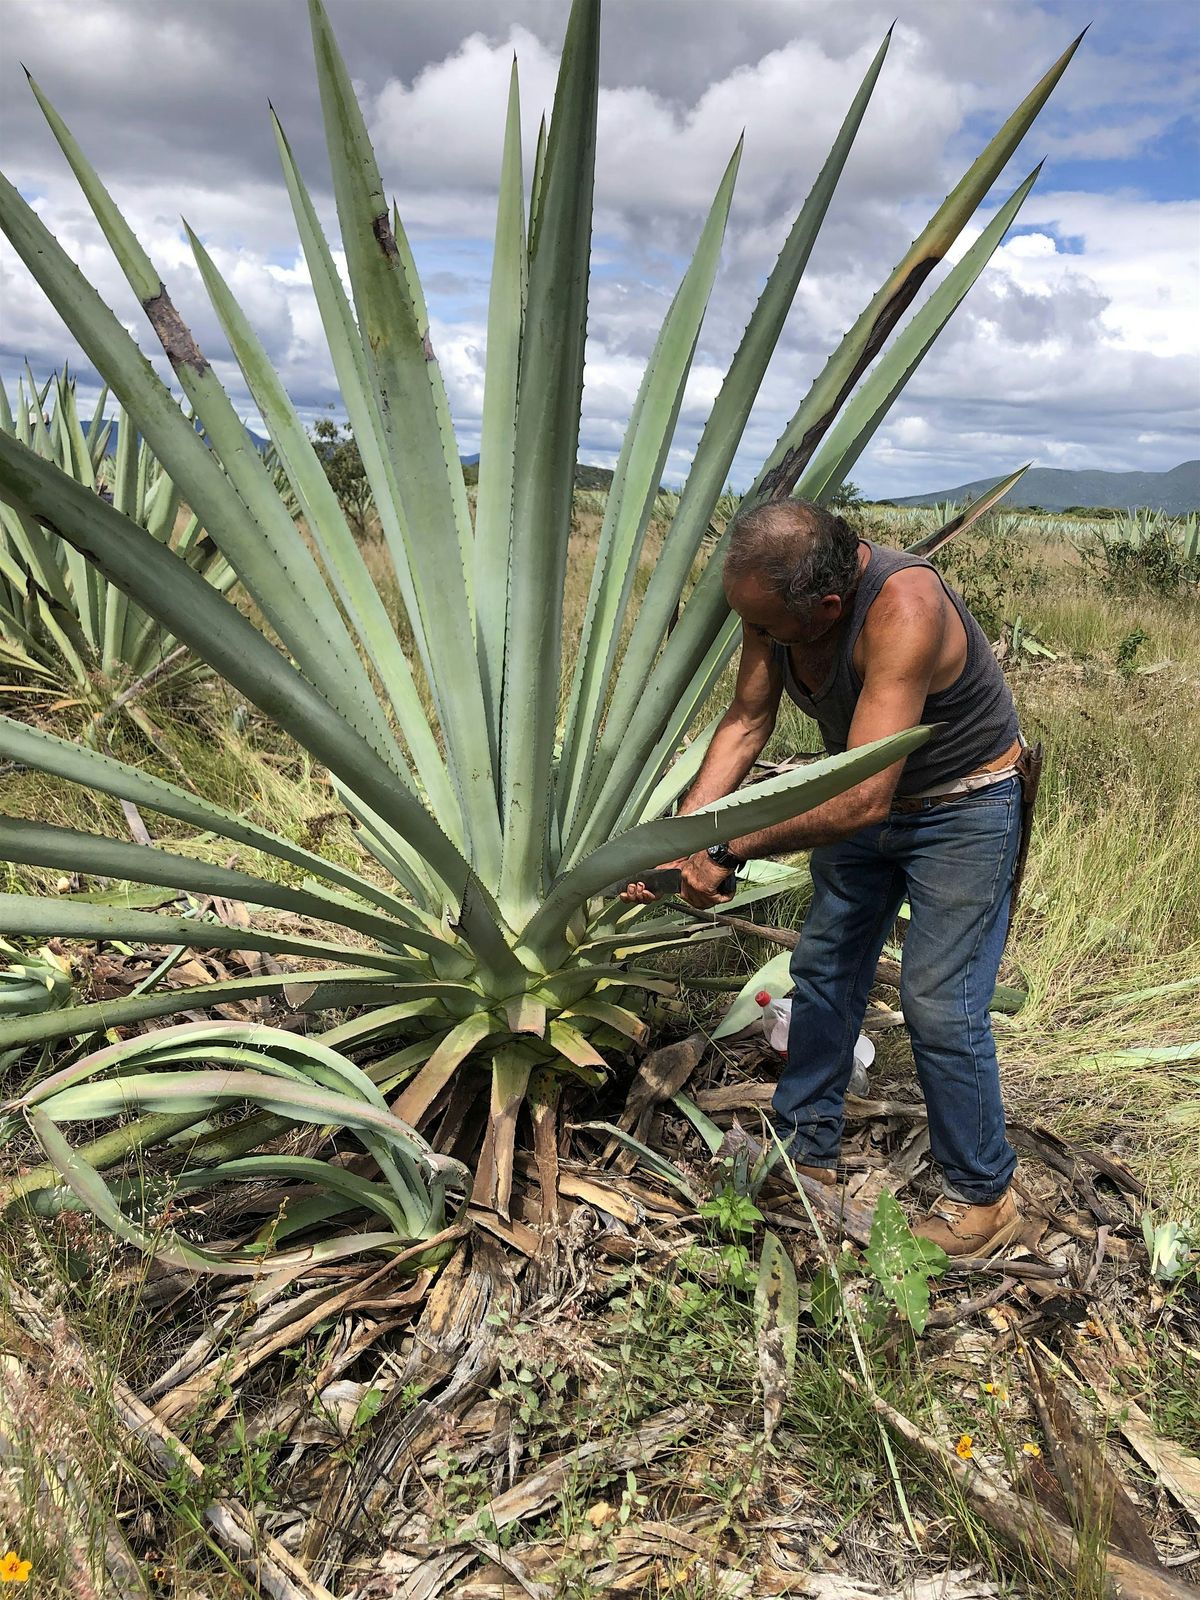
column 345, row 1054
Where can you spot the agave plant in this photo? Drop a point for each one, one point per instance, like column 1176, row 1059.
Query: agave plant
column 61, row 621
column 499, row 828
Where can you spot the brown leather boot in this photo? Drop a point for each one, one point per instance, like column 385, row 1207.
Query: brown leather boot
column 825, row 1175
column 963, row 1229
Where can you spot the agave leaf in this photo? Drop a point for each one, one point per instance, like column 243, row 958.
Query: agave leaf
column 424, row 460
column 763, row 879
column 311, row 990
column 327, row 524
column 69, row 850
column 775, row 977
column 639, row 937
column 704, row 1125
column 668, row 838
column 650, row 1159
column 168, row 1247
column 525, row 1013
column 643, row 700
column 511, row 1066
column 691, row 703
column 62, row 758
column 350, row 368
column 382, row 1022
column 720, row 439
column 453, row 1050
column 859, row 420
column 274, row 565
column 632, row 494
column 301, row 1102
column 232, row 645
column 968, row 516
column 323, row 1175
column 539, row 173
column 866, row 338
column 612, row 1016
column 777, row 1319
column 29, row 917
column 498, row 436
column 550, row 386
column 573, row 1047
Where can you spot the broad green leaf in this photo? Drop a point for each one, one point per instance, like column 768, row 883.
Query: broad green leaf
column 901, row 1263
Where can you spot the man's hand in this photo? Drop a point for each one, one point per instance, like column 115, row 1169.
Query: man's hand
column 638, row 894
column 702, row 881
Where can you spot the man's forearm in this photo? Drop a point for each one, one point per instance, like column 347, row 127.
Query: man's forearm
column 733, row 750
column 835, row 819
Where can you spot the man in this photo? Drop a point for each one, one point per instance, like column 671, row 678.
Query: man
column 868, row 641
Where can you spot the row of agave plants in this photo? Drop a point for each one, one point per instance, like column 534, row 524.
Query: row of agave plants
column 62, row 623
column 486, row 947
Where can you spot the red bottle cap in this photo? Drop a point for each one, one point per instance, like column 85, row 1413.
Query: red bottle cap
column 763, row 997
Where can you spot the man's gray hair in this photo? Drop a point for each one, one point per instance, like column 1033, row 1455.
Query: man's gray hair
column 795, row 549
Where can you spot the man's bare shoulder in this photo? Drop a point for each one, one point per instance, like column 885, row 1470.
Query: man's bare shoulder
column 911, row 600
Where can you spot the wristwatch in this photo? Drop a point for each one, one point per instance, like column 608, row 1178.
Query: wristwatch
column 725, row 857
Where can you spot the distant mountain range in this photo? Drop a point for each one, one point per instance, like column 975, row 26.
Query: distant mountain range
column 1056, row 489
column 111, row 448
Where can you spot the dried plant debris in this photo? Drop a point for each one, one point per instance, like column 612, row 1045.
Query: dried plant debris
column 645, row 1381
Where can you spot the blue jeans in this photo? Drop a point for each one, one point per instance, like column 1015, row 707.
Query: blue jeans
column 954, row 863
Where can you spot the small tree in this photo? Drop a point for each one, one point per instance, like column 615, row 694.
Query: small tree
column 335, row 444
column 846, row 497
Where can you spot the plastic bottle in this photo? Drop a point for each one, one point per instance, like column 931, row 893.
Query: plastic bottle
column 776, row 1022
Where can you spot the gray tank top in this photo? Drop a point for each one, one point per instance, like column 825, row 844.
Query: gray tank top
column 977, row 709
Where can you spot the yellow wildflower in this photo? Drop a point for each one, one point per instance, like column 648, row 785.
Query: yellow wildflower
column 998, row 1390
column 1031, row 1449
column 963, row 1448
column 13, row 1569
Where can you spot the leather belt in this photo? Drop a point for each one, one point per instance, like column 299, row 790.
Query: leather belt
column 1001, row 767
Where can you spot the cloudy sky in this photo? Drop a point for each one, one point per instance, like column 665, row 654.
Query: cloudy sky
column 1079, row 347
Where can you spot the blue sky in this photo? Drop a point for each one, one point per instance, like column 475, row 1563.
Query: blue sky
column 1080, row 346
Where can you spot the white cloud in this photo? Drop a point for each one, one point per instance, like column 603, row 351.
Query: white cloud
column 1079, row 345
